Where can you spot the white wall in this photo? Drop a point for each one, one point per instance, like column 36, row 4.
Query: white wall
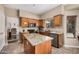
column 70, row 13
column 74, row 12
column 72, row 9
column 11, row 12
column 53, row 12
column 28, row 15
column 2, row 27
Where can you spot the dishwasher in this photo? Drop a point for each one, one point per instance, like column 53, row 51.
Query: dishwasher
column 54, row 41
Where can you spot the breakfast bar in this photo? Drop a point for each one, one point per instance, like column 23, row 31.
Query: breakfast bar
column 37, row 44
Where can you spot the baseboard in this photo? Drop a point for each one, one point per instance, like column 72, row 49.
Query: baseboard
column 71, row 46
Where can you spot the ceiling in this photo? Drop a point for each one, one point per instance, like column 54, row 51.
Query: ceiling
column 33, row 8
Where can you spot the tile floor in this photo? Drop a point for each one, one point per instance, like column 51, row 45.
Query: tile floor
column 17, row 48
column 72, row 41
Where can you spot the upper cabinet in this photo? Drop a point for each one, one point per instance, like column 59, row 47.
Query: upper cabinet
column 40, row 23
column 57, row 21
column 23, row 22
column 27, row 22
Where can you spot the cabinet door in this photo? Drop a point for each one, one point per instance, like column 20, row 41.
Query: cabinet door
column 40, row 23
column 2, row 30
column 61, row 41
column 57, row 20
column 24, row 22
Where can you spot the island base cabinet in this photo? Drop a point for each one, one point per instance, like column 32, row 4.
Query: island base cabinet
column 42, row 48
column 28, row 48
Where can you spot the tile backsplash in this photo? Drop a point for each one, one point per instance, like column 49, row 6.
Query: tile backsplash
column 58, row 29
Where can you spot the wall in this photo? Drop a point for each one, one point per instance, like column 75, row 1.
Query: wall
column 2, row 8
column 28, row 15
column 53, row 12
column 50, row 14
column 11, row 12
column 70, row 13
column 11, row 16
column 2, row 27
column 74, row 12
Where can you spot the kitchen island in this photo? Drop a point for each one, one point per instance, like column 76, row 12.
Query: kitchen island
column 37, row 44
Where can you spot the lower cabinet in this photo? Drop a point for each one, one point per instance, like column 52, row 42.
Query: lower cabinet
column 42, row 48
column 44, row 33
column 58, row 40
column 21, row 36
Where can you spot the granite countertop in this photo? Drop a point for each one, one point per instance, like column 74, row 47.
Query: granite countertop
column 35, row 39
column 57, row 32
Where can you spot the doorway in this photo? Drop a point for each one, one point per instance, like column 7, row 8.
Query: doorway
column 71, row 40
column 71, row 25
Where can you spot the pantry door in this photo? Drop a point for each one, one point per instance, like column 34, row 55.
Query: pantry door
column 2, row 30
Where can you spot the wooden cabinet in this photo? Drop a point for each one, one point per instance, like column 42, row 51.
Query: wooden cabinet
column 33, row 21
column 21, row 36
column 44, row 33
column 23, row 22
column 28, row 48
column 58, row 40
column 42, row 48
column 40, row 23
column 57, row 20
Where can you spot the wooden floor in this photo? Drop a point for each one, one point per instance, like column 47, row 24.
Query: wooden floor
column 65, row 50
column 17, row 48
